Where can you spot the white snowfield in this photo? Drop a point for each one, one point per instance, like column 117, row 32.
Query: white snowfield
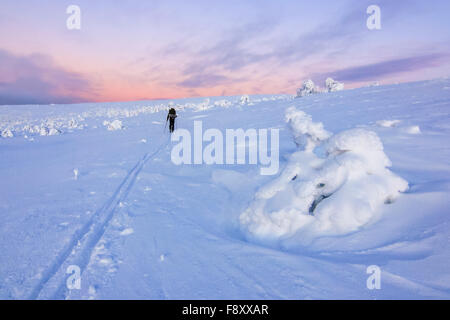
column 364, row 180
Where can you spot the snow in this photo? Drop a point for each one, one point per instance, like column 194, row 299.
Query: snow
column 353, row 190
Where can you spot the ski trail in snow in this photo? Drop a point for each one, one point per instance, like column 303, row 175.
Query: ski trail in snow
column 78, row 250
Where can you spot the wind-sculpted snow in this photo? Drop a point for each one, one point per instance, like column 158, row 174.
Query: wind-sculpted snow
column 331, row 195
column 306, row 133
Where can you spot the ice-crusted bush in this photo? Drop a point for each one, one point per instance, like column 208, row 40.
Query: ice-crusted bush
column 333, row 85
column 205, row 105
column 114, row 125
column 324, row 196
column 223, row 103
column 6, row 133
column 48, row 131
column 72, row 124
column 245, row 99
column 308, row 88
column 306, row 133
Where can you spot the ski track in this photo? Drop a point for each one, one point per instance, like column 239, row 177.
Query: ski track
column 78, row 250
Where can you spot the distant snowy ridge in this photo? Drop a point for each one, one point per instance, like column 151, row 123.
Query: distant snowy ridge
column 17, row 121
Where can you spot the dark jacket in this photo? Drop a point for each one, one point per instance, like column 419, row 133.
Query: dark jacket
column 172, row 114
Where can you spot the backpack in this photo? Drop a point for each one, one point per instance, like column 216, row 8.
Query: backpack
column 172, row 113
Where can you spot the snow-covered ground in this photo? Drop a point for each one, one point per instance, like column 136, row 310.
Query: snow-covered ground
column 364, row 180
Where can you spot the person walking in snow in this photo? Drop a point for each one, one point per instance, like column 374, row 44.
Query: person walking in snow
column 171, row 116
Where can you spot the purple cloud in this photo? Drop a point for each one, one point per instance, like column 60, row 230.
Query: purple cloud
column 385, row 68
column 36, row 79
column 231, row 53
column 203, row 80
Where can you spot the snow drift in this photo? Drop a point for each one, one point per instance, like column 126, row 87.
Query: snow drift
column 332, row 194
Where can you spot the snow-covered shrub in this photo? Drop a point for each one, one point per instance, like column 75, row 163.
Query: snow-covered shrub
column 48, row 131
column 72, row 124
column 308, row 88
column 114, row 125
column 203, row 105
column 223, row 103
column 306, row 133
column 245, row 99
column 53, row 131
column 332, row 195
column 333, row 85
column 7, row 134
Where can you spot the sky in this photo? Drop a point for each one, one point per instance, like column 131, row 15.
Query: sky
column 140, row 50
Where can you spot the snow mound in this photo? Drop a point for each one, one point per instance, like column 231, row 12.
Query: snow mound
column 333, row 85
column 127, row 232
column 114, row 125
column 333, row 195
column 412, row 130
column 388, row 123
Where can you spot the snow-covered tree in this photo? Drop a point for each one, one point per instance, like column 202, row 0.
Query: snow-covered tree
column 333, row 85
column 308, row 88
column 245, row 99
